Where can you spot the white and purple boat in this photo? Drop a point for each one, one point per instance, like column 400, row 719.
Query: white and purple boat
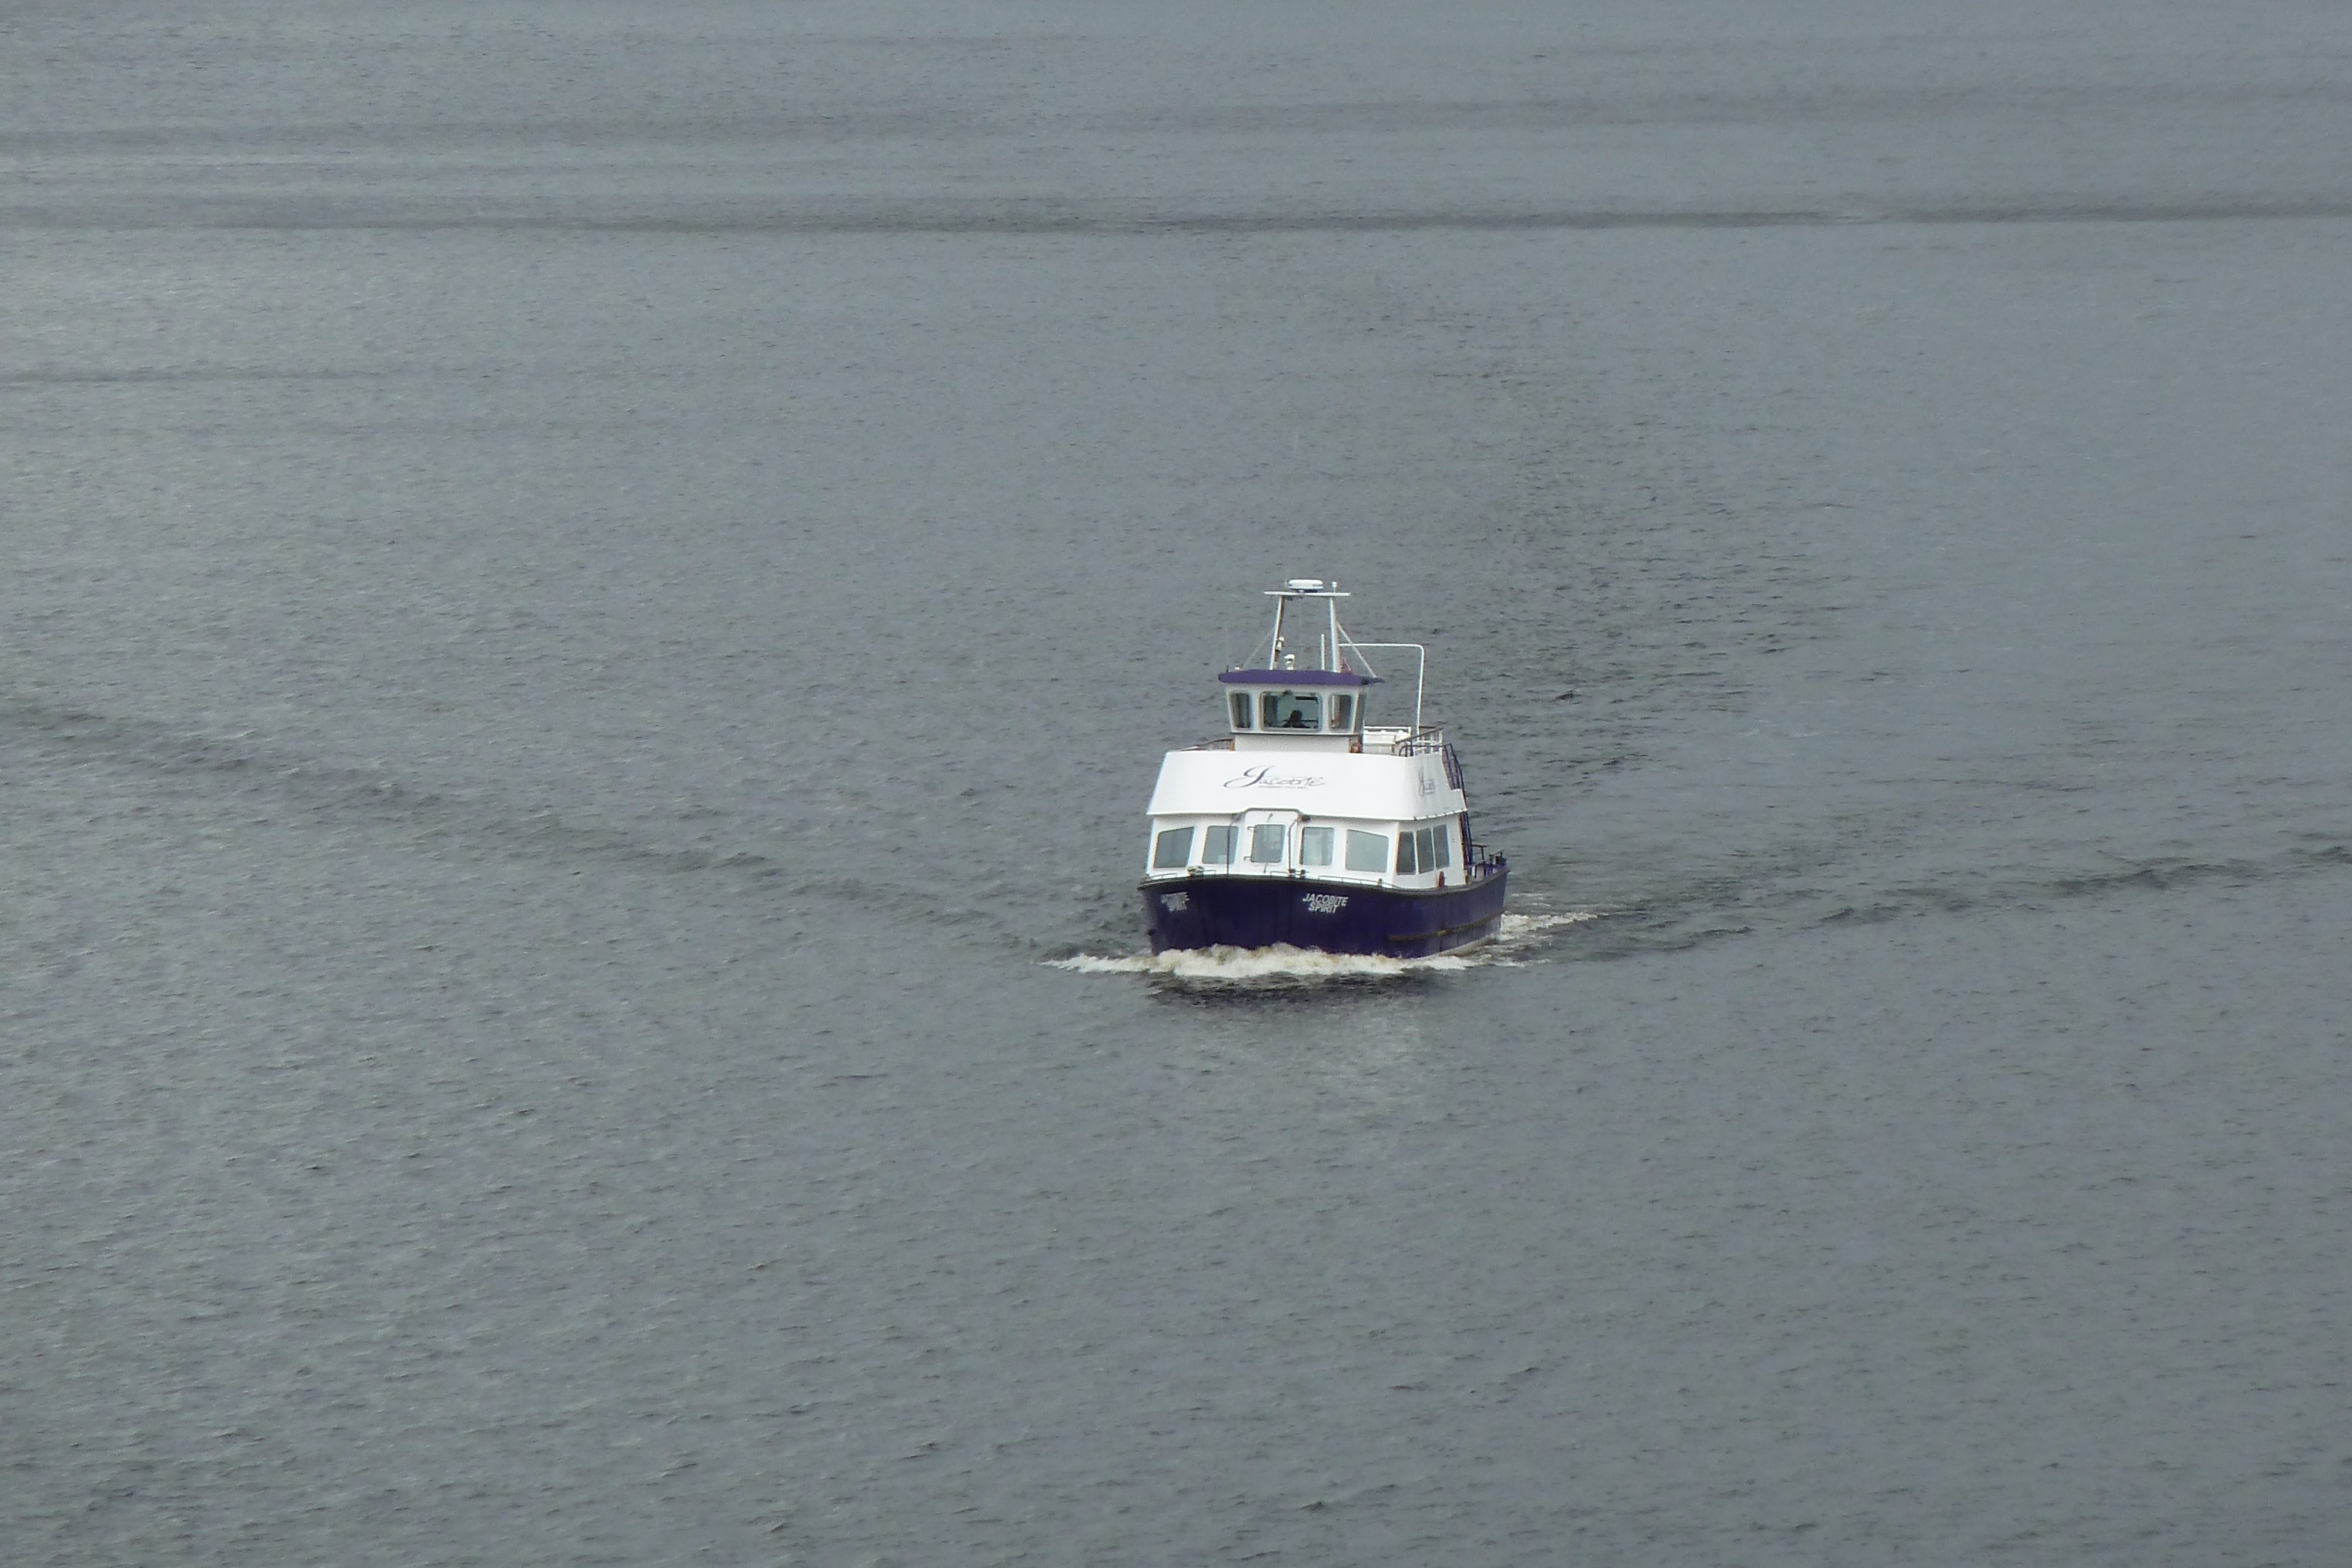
column 1308, row 825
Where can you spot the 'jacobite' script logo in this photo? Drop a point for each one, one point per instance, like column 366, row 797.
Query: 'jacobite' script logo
column 1265, row 777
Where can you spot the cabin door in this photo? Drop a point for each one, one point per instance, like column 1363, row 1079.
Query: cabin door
column 1268, row 844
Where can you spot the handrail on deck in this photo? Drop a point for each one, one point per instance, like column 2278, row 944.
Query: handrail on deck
column 1421, row 742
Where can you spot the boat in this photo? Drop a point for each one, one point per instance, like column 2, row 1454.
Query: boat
column 1308, row 825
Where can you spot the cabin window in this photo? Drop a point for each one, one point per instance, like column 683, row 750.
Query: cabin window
column 1313, row 846
column 1444, row 832
column 1174, row 849
column 1290, row 710
column 1265, row 844
column 1343, row 710
column 1241, row 710
column 1367, row 852
column 1217, row 845
column 1406, row 864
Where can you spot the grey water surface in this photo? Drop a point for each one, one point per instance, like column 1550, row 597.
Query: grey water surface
column 592, row 594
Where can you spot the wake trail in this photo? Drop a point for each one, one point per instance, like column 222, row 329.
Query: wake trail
column 1284, row 966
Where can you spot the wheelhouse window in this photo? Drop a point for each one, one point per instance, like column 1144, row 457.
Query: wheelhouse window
column 1407, row 863
column 1290, row 710
column 1313, row 846
column 1343, row 711
column 1173, row 849
column 1241, row 710
column 1217, row 844
column 1442, row 835
column 1267, row 843
column 1367, row 852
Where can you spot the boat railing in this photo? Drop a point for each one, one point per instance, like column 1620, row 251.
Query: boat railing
column 1421, row 742
column 1485, row 862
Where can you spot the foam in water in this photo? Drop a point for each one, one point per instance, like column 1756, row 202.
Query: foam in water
column 1283, row 964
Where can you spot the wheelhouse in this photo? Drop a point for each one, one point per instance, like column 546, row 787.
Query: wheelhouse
column 1279, row 708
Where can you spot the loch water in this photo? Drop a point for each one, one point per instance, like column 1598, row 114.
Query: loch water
column 593, row 593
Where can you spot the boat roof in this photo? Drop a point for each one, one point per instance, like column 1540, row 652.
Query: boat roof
column 1297, row 678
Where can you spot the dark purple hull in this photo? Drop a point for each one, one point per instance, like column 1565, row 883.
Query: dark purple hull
column 1333, row 917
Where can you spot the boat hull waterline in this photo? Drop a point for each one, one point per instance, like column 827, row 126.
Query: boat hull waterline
column 1330, row 917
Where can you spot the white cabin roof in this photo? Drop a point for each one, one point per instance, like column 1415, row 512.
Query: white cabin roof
column 1221, row 783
